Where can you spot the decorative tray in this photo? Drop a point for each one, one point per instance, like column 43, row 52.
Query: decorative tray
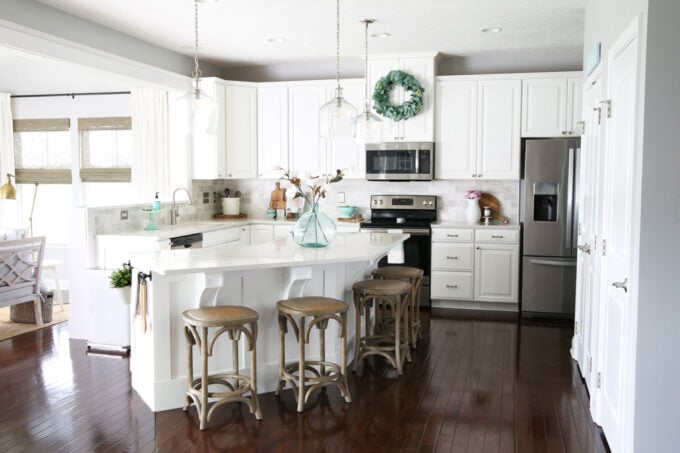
column 230, row 217
column 351, row 219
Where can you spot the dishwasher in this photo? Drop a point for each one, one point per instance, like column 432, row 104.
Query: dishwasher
column 189, row 241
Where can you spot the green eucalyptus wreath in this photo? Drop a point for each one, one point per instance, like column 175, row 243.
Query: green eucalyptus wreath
column 406, row 110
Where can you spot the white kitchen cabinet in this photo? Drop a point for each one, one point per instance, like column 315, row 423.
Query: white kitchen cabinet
column 421, row 126
column 232, row 151
column 551, row 105
column 272, row 130
column 261, row 233
column 307, row 150
column 475, row 266
column 239, row 235
column 477, row 128
column 497, row 265
column 241, row 131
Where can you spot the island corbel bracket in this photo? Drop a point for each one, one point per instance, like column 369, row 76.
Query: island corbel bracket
column 295, row 279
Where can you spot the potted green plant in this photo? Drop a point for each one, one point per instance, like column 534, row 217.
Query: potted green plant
column 121, row 279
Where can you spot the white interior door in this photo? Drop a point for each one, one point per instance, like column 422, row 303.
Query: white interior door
column 616, row 359
column 587, row 262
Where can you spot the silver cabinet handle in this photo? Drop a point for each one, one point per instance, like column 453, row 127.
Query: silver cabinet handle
column 451, row 235
column 479, row 175
column 497, row 236
column 452, row 286
column 451, row 257
column 621, row 285
column 585, row 248
column 474, row 175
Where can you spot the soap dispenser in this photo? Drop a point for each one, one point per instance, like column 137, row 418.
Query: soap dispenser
column 157, row 203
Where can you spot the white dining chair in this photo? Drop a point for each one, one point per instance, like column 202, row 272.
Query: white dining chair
column 20, row 266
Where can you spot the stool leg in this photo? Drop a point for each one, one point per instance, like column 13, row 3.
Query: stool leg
column 357, row 330
column 301, row 370
column 189, row 339
column 203, row 415
column 253, row 372
column 234, row 356
column 322, row 346
column 343, row 357
column 397, row 334
column 283, row 328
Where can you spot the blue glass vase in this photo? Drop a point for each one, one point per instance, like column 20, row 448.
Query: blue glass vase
column 314, row 229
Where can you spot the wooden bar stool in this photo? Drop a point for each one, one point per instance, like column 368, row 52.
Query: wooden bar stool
column 234, row 321
column 388, row 296
column 414, row 276
column 317, row 373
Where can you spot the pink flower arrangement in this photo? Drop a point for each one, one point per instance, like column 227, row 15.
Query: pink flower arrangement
column 472, row 194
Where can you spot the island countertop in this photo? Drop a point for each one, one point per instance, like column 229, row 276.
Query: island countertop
column 284, row 252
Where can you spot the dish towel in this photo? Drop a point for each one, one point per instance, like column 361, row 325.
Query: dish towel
column 396, row 255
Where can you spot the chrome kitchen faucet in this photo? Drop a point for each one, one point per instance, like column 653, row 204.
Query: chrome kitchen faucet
column 174, row 211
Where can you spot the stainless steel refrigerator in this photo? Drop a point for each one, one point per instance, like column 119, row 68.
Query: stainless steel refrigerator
column 549, row 214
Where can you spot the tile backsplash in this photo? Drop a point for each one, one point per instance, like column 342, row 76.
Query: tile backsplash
column 256, row 193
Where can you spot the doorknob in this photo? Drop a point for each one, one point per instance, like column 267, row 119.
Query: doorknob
column 622, row 285
column 585, row 248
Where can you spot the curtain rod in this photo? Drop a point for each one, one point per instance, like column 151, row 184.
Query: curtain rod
column 72, row 95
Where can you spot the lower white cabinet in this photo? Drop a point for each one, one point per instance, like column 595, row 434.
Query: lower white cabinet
column 475, row 265
column 227, row 236
column 261, row 233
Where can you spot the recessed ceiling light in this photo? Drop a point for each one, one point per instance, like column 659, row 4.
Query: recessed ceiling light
column 380, row 35
column 277, row 40
column 491, row 30
column 207, row 1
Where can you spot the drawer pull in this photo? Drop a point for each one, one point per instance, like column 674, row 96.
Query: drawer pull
column 497, row 236
column 451, row 257
column 451, row 235
column 452, row 286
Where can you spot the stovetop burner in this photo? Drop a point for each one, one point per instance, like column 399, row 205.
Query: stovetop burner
column 402, row 211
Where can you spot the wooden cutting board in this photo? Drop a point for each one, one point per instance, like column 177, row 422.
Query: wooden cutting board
column 488, row 200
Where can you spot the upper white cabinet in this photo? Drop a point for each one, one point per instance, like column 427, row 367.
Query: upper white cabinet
column 272, row 130
column 477, row 128
column 421, row 126
column 232, row 151
column 551, row 104
column 288, row 130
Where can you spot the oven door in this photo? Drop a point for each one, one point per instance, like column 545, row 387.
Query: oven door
column 416, row 254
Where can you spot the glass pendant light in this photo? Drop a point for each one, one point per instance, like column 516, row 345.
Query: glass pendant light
column 369, row 125
column 201, row 109
column 337, row 117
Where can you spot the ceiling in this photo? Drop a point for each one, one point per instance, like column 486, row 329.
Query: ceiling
column 235, row 33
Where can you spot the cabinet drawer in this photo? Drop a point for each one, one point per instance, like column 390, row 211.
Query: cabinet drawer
column 452, row 234
column 221, row 237
column 451, row 285
column 497, row 236
column 455, row 257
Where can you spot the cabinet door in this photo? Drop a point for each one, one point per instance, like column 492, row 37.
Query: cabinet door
column 208, row 151
column 456, row 130
column 307, row 148
column 498, row 118
column 496, row 273
column 574, row 110
column 260, row 234
column 245, row 235
column 346, row 154
column 272, row 131
column 420, row 127
column 241, row 133
column 544, row 107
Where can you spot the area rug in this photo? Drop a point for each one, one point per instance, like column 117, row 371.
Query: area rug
column 10, row 329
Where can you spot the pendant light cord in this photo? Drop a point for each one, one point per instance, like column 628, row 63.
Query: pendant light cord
column 337, row 42
column 196, row 74
column 366, row 101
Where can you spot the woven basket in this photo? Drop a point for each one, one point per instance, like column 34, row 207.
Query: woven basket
column 25, row 314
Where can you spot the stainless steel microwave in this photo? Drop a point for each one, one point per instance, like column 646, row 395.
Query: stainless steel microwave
column 400, row 161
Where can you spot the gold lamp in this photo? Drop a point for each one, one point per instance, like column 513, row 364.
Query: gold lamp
column 7, row 191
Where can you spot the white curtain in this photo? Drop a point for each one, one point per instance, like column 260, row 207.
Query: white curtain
column 151, row 155
column 8, row 208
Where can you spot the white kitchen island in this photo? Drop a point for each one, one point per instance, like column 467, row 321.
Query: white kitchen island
column 254, row 276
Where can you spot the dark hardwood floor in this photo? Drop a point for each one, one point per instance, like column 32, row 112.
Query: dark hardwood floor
column 473, row 386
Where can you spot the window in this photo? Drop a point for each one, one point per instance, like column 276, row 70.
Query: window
column 42, row 151
column 105, row 149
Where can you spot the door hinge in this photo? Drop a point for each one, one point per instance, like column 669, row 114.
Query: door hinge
column 599, row 114
column 590, row 364
column 583, row 127
column 579, row 228
column 608, row 103
column 604, row 247
column 595, row 243
column 575, row 328
column 599, row 379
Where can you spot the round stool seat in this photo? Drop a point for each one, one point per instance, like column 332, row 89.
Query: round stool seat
column 222, row 315
column 382, row 287
column 398, row 272
column 312, row 306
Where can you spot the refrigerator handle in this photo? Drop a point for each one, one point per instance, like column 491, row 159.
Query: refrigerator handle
column 553, row 263
column 570, row 201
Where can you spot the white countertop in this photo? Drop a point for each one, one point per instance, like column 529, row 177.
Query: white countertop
column 478, row 225
column 347, row 247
